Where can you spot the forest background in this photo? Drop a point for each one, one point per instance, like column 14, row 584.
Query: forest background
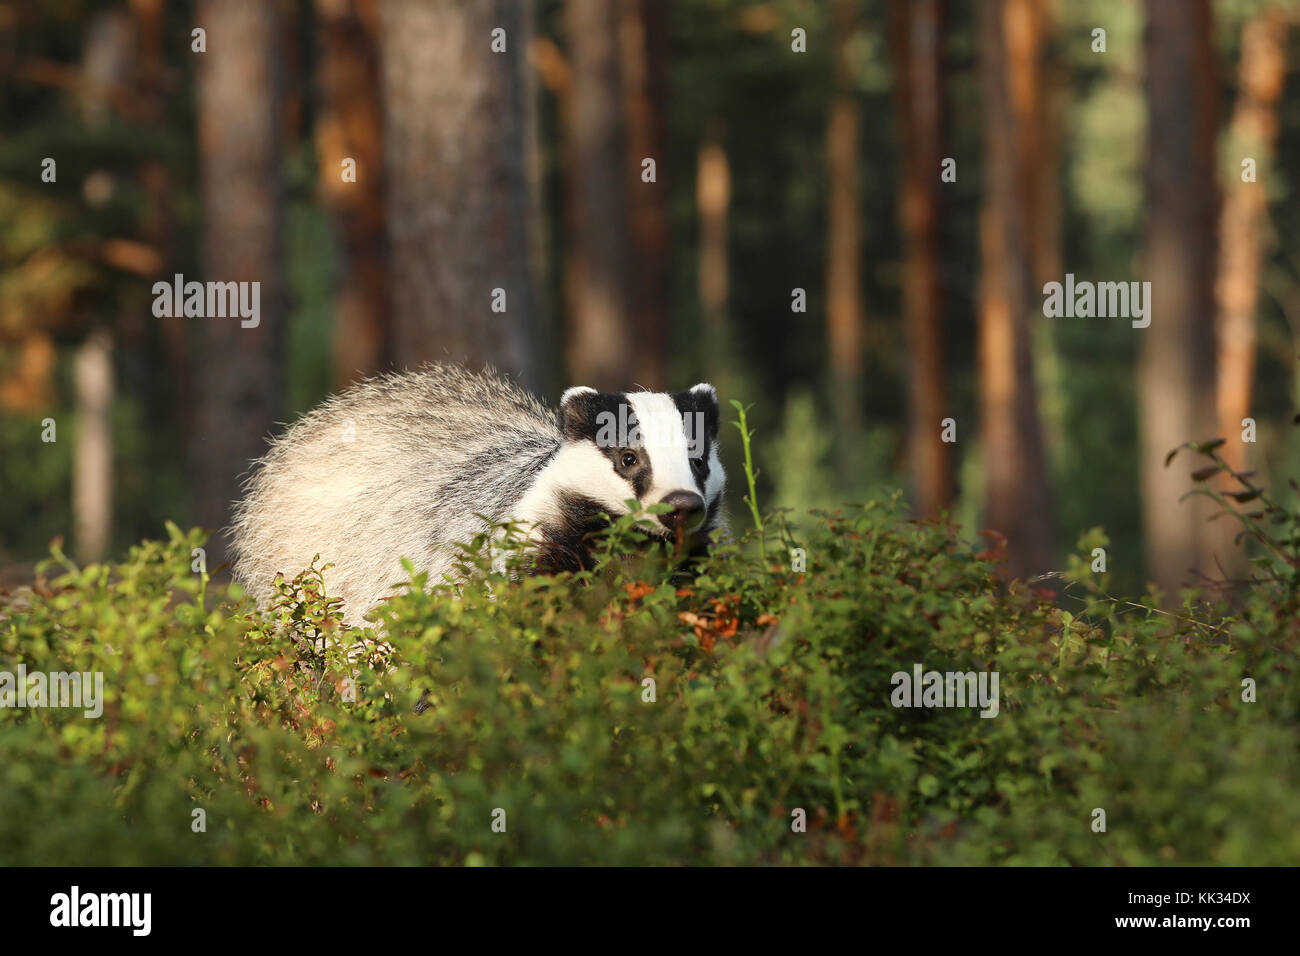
column 843, row 213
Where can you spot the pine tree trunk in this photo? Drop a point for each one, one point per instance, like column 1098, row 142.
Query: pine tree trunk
column 1176, row 377
column 1018, row 494
column 919, row 88
column 844, row 306
column 713, row 206
column 601, row 338
column 239, row 370
column 92, row 458
column 458, row 203
column 111, row 45
column 645, row 59
column 349, row 127
column 1242, row 226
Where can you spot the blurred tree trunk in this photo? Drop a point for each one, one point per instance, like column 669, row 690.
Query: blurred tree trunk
column 1019, row 497
column 645, row 58
column 349, row 126
column 546, row 346
column 601, row 337
column 844, row 306
column 1176, row 377
column 240, row 372
column 1244, row 220
column 1049, row 102
column 712, row 203
column 458, row 203
column 1046, row 100
column 149, row 98
column 918, row 33
column 110, row 49
column 92, row 456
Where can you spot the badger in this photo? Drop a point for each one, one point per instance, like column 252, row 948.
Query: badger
column 407, row 465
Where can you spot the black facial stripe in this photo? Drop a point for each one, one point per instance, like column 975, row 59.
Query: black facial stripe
column 640, row 475
column 699, row 465
column 581, row 512
column 582, row 416
column 609, row 420
column 705, row 404
column 564, row 546
column 700, row 470
column 633, row 423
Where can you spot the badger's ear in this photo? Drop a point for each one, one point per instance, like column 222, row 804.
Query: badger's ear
column 578, row 408
column 702, row 398
column 705, row 392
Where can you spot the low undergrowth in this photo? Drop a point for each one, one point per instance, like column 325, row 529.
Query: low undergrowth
column 625, row 717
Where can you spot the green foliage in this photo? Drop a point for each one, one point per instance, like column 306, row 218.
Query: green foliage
column 751, row 497
column 771, row 693
column 35, row 475
column 803, row 477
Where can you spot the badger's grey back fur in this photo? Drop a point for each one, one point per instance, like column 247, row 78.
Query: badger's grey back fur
column 399, row 466
column 395, row 467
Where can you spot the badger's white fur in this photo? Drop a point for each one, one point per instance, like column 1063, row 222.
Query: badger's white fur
column 399, row 466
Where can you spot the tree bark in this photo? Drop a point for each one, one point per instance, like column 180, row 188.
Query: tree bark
column 601, row 339
column 149, row 99
column 918, row 44
column 1176, row 377
column 458, row 203
column 1253, row 132
column 712, row 205
column 349, row 126
column 645, row 58
column 92, row 457
column 844, row 306
column 240, row 371
column 1019, row 501
column 1047, row 101
column 111, row 47
column 545, row 340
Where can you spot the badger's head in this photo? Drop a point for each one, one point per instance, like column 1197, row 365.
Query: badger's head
column 654, row 447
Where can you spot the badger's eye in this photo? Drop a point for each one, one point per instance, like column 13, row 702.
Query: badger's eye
column 629, row 459
column 699, row 465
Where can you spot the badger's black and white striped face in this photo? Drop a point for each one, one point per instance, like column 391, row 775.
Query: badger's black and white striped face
column 655, row 447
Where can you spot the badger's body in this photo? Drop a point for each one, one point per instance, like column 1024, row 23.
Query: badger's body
column 401, row 466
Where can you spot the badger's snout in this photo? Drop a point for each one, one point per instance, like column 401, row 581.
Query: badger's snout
column 687, row 511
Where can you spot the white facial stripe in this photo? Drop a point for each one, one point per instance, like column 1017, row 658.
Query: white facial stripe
column 664, row 438
column 580, row 467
